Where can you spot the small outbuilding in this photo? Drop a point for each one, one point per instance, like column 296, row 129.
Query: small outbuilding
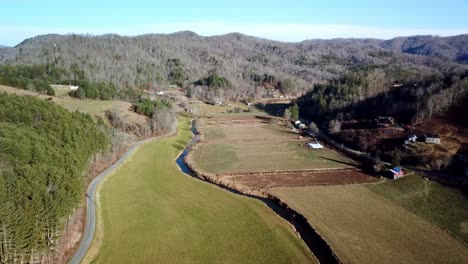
column 314, row 145
column 397, row 84
column 73, row 87
column 385, row 121
column 397, row 173
column 411, row 139
column 432, row 139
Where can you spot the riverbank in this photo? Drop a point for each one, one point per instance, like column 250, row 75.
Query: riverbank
column 165, row 216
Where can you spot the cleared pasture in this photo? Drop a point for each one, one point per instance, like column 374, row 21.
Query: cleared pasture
column 264, row 156
column 153, row 213
column 93, row 107
column 364, row 227
column 444, row 206
column 233, row 145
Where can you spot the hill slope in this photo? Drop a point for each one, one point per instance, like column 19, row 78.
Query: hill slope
column 453, row 48
column 154, row 60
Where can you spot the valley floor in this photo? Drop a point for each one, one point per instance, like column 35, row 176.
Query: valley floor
column 153, row 213
column 364, row 227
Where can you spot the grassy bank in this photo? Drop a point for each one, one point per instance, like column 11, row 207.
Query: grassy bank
column 444, row 206
column 153, row 213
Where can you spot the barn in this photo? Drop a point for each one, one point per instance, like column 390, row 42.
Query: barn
column 397, row 173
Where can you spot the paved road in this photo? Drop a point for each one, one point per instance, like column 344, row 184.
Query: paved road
column 91, row 205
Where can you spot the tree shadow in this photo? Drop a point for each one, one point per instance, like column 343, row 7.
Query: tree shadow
column 178, row 147
column 340, row 161
column 275, row 109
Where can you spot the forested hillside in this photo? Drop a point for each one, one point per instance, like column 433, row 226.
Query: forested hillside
column 44, row 150
column 244, row 66
column 450, row 48
column 363, row 94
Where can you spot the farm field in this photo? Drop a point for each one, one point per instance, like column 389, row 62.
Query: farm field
column 232, row 145
column 153, row 213
column 295, row 179
column 92, row 107
column 208, row 109
column 364, row 227
column 440, row 205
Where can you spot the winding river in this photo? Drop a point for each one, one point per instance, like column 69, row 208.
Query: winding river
column 313, row 240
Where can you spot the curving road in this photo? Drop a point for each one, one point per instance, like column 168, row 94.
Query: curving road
column 90, row 227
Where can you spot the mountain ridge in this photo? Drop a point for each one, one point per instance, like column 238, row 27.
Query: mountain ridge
column 249, row 63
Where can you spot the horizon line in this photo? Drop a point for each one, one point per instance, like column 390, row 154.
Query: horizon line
column 281, row 32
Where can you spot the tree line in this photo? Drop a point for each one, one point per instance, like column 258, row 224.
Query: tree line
column 30, row 77
column 44, row 150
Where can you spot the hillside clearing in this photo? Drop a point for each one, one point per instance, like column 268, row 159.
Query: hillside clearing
column 443, row 206
column 363, row 227
column 153, row 213
column 95, row 108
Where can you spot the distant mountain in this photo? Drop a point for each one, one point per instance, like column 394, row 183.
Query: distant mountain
column 250, row 64
column 451, row 48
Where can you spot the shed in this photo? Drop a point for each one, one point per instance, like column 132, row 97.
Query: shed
column 385, row 121
column 314, row 145
column 397, row 173
column 411, row 139
column 397, row 83
column 432, row 139
column 73, row 87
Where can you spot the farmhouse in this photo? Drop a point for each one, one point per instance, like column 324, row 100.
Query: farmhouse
column 384, row 121
column 397, row 173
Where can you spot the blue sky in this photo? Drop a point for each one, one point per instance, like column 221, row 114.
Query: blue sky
column 280, row 20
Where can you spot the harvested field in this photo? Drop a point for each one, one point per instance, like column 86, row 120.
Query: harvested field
column 364, row 227
column 246, row 132
column 296, row 179
column 251, row 144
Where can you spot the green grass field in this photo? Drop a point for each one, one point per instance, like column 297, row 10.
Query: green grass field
column 255, row 147
column 443, row 206
column 153, row 213
column 264, row 156
column 364, row 227
column 92, row 107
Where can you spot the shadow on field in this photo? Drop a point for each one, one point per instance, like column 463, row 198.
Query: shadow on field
column 275, row 109
column 339, row 161
column 178, row 147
